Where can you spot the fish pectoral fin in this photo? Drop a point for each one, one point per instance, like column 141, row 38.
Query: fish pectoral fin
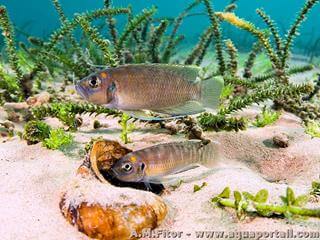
column 142, row 115
column 189, row 108
column 145, row 116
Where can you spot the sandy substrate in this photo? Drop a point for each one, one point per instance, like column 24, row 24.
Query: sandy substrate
column 32, row 178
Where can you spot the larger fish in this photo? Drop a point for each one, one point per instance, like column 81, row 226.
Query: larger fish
column 151, row 165
column 173, row 90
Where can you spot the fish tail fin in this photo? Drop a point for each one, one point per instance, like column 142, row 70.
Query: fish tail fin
column 211, row 154
column 210, row 93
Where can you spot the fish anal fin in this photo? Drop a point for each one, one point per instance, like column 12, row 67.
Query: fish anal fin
column 189, row 108
column 187, row 168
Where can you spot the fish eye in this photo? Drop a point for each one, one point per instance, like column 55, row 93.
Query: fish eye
column 94, row 82
column 127, row 167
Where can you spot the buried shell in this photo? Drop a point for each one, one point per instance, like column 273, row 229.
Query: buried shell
column 103, row 211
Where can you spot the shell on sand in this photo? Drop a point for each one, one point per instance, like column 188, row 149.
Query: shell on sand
column 103, row 211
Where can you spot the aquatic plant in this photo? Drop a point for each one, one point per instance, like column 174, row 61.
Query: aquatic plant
column 267, row 117
column 217, row 35
column 199, row 51
column 35, row 132
column 169, row 48
column 280, row 53
column 315, row 191
column 313, row 128
column 58, row 139
column 66, row 112
column 218, row 122
column 246, row 203
column 197, row 188
column 126, row 128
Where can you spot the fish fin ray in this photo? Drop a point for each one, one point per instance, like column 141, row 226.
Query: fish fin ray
column 210, row 93
column 185, row 169
column 142, row 115
column 189, row 108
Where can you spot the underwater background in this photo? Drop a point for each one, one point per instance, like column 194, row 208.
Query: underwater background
column 39, row 18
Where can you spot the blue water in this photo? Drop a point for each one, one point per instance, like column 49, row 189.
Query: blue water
column 39, row 18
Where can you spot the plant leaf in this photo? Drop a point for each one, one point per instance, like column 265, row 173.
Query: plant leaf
column 261, row 196
column 225, row 193
column 248, row 196
column 301, row 200
column 284, row 200
column 237, row 197
column 290, row 196
column 197, row 188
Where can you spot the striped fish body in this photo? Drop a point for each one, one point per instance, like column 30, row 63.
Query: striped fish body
column 153, row 163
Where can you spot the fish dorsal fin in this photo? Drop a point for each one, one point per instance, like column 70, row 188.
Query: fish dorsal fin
column 188, row 73
column 189, row 108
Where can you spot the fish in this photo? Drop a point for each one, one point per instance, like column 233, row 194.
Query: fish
column 168, row 90
column 153, row 164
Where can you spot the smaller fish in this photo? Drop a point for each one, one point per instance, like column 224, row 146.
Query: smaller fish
column 151, row 165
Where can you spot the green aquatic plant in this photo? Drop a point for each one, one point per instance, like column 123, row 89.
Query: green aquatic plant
column 227, row 91
column 246, row 203
column 233, row 55
column 155, row 41
column 218, row 36
column 66, row 112
column 111, row 23
column 315, row 188
column 198, row 52
column 261, row 94
column 218, row 122
column 267, row 117
column 280, row 53
column 313, row 128
column 35, row 132
column 197, row 188
column 132, row 26
column 126, row 128
column 176, row 25
column 256, row 49
column 96, row 38
column 9, row 37
column 58, row 139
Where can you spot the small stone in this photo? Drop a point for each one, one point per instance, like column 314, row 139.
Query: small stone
column 195, row 133
column 79, row 121
column 15, row 106
column 281, row 140
column 96, row 124
column 39, row 99
column 173, row 127
column 8, row 125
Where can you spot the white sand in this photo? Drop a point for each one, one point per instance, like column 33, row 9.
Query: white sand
column 32, row 178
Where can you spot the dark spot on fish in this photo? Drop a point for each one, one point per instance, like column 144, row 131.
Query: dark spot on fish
column 142, row 166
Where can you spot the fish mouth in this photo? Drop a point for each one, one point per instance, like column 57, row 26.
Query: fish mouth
column 81, row 91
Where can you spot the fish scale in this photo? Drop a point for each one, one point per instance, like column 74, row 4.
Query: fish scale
column 152, row 88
